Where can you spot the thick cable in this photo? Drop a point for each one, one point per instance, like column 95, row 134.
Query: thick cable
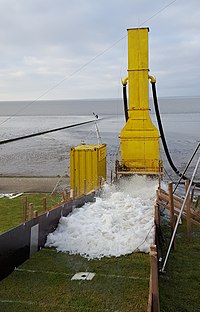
column 45, row 132
column 155, row 100
column 125, row 102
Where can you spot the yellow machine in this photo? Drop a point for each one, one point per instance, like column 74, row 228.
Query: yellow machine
column 87, row 168
column 139, row 139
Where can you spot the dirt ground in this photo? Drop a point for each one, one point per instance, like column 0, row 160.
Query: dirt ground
column 33, row 184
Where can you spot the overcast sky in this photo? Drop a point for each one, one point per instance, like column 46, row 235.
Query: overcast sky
column 44, row 41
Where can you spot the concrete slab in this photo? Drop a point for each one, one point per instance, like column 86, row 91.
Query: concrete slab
column 83, row 276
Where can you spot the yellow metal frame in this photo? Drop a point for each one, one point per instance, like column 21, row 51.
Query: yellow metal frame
column 139, row 139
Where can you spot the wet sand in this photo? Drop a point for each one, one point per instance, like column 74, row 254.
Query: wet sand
column 20, row 184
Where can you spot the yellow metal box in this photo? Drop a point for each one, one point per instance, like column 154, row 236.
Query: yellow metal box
column 87, row 167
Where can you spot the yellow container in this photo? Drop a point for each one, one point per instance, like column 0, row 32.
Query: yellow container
column 87, row 167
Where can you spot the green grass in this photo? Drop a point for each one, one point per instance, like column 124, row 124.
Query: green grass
column 43, row 283
column 11, row 209
column 179, row 287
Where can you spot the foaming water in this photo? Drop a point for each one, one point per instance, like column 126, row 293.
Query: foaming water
column 118, row 223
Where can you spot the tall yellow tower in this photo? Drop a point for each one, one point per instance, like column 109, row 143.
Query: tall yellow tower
column 139, row 139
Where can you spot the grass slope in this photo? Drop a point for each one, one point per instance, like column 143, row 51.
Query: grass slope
column 180, row 286
column 11, row 209
column 43, row 283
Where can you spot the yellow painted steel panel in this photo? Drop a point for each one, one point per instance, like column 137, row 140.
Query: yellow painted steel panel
column 87, row 167
column 139, row 139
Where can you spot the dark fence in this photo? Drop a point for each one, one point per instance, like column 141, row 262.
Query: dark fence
column 18, row 244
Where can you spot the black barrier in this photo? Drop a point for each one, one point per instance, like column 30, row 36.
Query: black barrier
column 18, row 244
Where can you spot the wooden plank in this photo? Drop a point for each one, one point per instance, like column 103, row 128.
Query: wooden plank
column 171, row 209
column 166, row 198
column 157, row 215
column 176, row 197
column 195, row 222
column 164, row 205
column 154, row 269
column 185, row 217
column 149, row 307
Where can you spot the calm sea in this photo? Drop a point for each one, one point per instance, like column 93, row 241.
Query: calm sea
column 173, row 105
column 48, row 155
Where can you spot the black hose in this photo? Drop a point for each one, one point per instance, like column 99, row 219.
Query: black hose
column 125, row 102
column 44, row 132
column 155, row 100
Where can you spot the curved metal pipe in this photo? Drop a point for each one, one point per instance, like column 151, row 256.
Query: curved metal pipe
column 124, row 81
column 152, row 79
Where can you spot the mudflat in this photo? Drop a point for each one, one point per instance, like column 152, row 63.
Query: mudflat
column 22, row 184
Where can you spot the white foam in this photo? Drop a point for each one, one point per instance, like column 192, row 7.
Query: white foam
column 118, row 223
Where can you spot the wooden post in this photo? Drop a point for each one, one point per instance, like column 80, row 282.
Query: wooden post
column 35, row 214
column 197, row 202
column 154, row 273
column 25, row 203
column 192, row 194
column 111, row 177
column 159, row 181
column 157, row 215
column 68, row 195
column 157, row 196
column 30, row 211
column 44, row 203
column 72, row 194
column 171, row 207
column 188, row 202
column 64, row 195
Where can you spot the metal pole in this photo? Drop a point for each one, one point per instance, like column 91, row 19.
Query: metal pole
column 99, row 140
column 194, row 153
column 179, row 216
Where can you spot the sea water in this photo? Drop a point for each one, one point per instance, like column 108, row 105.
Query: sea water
column 48, row 155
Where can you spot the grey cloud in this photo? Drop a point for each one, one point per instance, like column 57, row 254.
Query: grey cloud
column 43, row 41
